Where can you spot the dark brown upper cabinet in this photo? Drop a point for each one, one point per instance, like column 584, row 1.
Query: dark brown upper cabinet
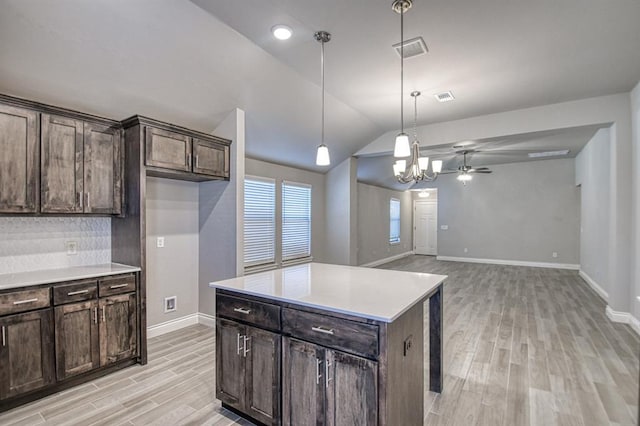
column 210, row 158
column 169, row 150
column 81, row 167
column 19, row 132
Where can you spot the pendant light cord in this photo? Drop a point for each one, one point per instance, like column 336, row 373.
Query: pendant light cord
column 322, row 83
column 401, row 68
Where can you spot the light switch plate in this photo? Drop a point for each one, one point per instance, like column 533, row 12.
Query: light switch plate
column 72, row 248
column 444, row 227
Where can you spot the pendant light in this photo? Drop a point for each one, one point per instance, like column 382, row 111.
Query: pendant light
column 322, row 156
column 401, row 148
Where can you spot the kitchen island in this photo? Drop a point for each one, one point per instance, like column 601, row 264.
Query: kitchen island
column 327, row 344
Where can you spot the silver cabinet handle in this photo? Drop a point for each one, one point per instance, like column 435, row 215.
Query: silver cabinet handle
column 189, row 160
column 4, row 337
column 81, row 200
column 322, row 330
column 318, row 374
column 104, row 316
column 75, row 293
column 118, row 286
column 238, row 347
column 246, row 351
column 22, row 302
column 327, row 379
column 95, row 315
column 242, row 310
column 197, row 162
column 88, row 201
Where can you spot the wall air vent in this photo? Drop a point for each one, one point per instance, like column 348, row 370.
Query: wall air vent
column 414, row 47
column 444, row 96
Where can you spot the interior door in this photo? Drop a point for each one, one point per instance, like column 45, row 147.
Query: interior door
column 426, row 227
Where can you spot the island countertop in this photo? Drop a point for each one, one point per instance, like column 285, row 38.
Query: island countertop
column 378, row 294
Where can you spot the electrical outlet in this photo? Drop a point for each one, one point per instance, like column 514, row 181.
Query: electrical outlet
column 160, row 242
column 444, row 227
column 554, row 254
column 170, row 304
column 408, row 343
column 72, row 248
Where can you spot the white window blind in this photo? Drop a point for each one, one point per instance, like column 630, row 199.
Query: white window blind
column 259, row 221
column 296, row 221
column 394, row 225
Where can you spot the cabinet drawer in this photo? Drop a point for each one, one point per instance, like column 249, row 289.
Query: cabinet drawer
column 119, row 284
column 75, row 292
column 261, row 314
column 342, row 334
column 24, row 300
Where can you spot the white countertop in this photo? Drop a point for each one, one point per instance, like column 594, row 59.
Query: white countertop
column 47, row 276
column 378, row 294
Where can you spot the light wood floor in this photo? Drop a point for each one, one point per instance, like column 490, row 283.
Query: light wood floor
column 523, row 346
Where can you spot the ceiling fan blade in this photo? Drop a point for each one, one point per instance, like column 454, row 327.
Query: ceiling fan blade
column 448, row 172
column 481, row 171
column 480, row 168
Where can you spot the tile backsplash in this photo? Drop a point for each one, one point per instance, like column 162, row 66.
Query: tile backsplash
column 34, row 243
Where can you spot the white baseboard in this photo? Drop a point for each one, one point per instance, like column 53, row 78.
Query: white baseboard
column 387, row 259
column 178, row 323
column 511, row 262
column 594, row 285
column 624, row 317
column 172, row 325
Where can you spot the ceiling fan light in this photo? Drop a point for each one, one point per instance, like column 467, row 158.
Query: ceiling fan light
column 465, row 177
column 402, row 148
column 423, row 163
column 436, row 165
column 322, row 156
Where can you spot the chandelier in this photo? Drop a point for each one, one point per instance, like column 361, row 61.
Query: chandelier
column 418, row 167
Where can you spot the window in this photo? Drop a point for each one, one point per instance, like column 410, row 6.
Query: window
column 296, row 221
column 259, row 221
column 394, row 222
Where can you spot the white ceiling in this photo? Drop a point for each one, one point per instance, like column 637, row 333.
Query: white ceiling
column 191, row 63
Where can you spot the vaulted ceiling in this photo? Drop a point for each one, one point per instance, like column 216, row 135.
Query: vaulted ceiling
column 191, row 63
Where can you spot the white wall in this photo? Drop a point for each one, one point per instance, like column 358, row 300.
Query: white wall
column 316, row 180
column 172, row 213
column 635, row 124
column 341, row 213
column 35, row 243
column 373, row 223
column 593, row 176
column 522, row 212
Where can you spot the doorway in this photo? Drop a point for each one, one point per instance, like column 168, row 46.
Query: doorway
column 425, row 224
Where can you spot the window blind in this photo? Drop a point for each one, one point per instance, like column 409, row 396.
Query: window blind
column 394, row 225
column 296, row 221
column 259, row 221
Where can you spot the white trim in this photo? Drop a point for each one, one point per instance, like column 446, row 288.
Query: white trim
column 387, row 259
column 594, row 285
column 171, row 325
column 634, row 323
column 207, row 320
column 511, row 262
column 624, row 318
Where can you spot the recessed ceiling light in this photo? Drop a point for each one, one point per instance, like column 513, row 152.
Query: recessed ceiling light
column 548, row 154
column 444, row 96
column 281, row 32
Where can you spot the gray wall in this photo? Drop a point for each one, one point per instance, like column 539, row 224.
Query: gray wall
column 592, row 174
column 521, row 212
column 373, row 223
column 635, row 124
column 316, row 180
column 341, row 213
column 172, row 212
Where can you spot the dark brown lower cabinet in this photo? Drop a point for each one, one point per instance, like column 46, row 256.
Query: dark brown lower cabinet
column 327, row 387
column 26, row 352
column 118, row 328
column 77, row 338
column 248, row 370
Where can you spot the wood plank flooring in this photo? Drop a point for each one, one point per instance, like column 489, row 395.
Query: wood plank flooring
column 522, row 346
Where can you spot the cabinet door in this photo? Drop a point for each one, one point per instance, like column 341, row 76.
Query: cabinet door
column 230, row 363
column 303, row 383
column 77, row 340
column 61, row 168
column 262, row 375
column 210, row 158
column 102, row 169
column 26, row 352
column 117, row 328
column 19, row 160
column 168, row 150
column 352, row 390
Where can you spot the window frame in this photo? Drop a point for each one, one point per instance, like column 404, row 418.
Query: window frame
column 256, row 266
column 393, row 240
column 307, row 257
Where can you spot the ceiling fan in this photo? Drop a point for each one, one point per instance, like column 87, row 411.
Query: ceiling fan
column 466, row 171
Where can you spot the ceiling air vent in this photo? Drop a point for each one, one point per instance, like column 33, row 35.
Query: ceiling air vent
column 414, row 47
column 444, row 96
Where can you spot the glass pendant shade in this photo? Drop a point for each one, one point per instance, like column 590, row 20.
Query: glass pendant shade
column 322, row 156
column 423, row 162
column 399, row 167
column 402, row 148
column 436, row 166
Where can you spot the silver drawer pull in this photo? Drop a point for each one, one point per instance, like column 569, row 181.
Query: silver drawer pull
column 75, row 293
column 246, row 351
column 239, row 348
column 22, row 302
column 118, row 286
column 323, row 330
column 327, row 378
column 318, row 374
column 242, row 310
